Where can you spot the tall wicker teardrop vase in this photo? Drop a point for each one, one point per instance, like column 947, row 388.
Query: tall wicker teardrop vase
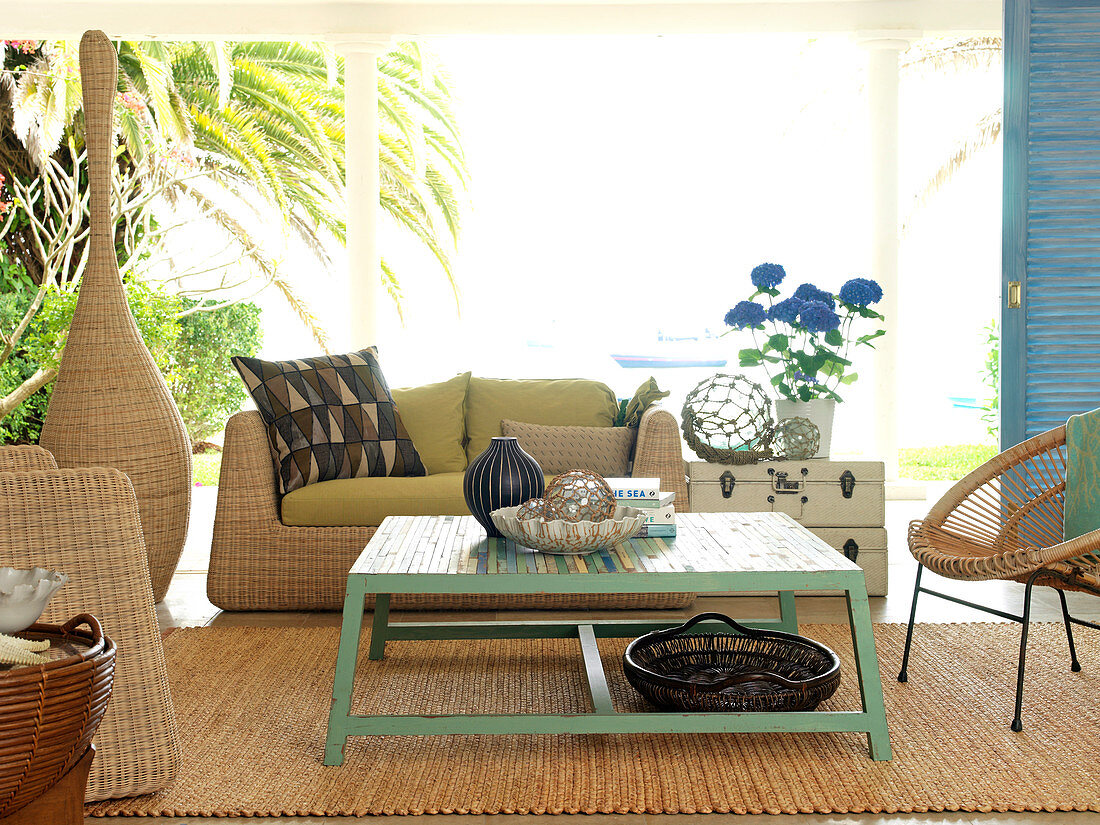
column 110, row 406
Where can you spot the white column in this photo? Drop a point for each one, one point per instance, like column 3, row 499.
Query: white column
column 361, row 184
column 882, row 91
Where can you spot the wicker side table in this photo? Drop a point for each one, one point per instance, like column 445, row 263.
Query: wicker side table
column 49, row 714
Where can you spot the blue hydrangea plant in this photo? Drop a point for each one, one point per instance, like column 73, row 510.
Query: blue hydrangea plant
column 803, row 341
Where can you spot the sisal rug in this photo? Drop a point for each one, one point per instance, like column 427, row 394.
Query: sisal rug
column 252, row 705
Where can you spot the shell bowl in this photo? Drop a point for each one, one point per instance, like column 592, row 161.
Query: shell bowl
column 23, row 596
column 568, row 538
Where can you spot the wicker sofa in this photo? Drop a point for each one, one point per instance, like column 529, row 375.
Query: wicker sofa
column 259, row 561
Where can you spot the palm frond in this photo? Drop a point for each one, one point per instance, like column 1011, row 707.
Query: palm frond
column 303, row 311
column 944, row 54
column 151, row 72
column 392, row 285
column 221, row 55
column 984, row 134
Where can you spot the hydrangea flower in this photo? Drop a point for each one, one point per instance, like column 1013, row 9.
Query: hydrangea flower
column 746, row 314
column 817, row 316
column 861, row 292
column 809, row 292
column 767, row 276
column 805, row 379
column 786, row 311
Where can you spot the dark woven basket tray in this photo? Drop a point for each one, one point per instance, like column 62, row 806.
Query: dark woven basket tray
column 49, row 712
column 750, row 670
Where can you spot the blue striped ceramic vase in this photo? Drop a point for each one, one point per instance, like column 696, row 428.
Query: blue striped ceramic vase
column 502, row 476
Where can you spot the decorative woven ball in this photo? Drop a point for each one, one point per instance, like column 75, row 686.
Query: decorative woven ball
column 581, row 495
column 728, row 419
column 537, row 508
column 797, row 438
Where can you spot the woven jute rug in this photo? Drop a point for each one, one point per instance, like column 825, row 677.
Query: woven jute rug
column 252, row 705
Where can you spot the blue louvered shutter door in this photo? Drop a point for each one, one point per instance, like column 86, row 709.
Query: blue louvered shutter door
column 1050, row 360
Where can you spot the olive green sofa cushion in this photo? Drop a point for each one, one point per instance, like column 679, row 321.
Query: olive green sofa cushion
column 350, row 502
column 575, row 402
column 362, row 502
column 435, row 418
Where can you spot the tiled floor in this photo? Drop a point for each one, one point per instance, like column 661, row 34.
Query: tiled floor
column 186, row 605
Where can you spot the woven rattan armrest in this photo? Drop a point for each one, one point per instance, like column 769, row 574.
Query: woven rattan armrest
column 85, row 523
column 256, row 561
column 21, row 458
column 659, row 453
column 1081, row 551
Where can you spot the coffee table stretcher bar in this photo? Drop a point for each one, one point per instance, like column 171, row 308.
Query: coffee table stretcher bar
column 833, row 573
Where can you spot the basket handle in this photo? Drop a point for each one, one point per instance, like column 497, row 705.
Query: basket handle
column 713, row 617
column 88, row 619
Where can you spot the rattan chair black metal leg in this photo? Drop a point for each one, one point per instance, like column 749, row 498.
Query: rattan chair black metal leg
column 1075, row 665
column 903, row 676
column 1017, row 722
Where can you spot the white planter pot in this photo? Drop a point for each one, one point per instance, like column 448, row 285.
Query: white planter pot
column 819, row 411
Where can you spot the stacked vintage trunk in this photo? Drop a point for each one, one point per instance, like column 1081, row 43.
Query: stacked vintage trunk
column 842, row 502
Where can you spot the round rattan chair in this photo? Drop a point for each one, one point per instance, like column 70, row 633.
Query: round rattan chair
column 1004, row 521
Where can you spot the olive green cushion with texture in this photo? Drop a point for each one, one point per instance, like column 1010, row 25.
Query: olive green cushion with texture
column 364, row 502
column 573, row 402
column 435, row 418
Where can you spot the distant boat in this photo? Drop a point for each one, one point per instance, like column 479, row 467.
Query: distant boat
column 964, row 403
column 671, row 350
column 652, row 361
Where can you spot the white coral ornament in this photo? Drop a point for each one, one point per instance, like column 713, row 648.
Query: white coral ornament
column 15, row 651
column 23, row 596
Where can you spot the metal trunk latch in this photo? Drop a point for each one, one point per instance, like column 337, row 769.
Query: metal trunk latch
column 847, row 484
column 727, row 481
column 851, row 549
column 783, row 483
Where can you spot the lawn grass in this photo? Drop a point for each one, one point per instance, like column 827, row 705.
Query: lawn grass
column 205, row 468
column 948, row 463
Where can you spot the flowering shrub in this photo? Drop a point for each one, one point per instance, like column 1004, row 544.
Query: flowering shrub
column 133, row 102
column 21, row 46
column 806, row 337
column 5, row 205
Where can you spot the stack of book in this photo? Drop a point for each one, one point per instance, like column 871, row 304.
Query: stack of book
column 646, row 494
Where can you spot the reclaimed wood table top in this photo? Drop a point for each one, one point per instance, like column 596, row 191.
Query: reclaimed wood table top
column 456, row 547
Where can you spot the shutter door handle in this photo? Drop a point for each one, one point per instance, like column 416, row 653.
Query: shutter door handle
column 1014, row 291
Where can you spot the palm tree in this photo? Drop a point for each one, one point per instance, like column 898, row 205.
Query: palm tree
column 277, row 125
column 956, row 54
column 234, row 129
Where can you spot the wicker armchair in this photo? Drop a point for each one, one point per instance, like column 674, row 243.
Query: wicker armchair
column 1004, row 521
column 259, row 563
column 85, row 523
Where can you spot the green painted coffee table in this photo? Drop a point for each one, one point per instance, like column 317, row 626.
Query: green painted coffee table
column 713, row 553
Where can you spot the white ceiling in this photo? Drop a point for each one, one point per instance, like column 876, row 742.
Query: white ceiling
column 268, row 19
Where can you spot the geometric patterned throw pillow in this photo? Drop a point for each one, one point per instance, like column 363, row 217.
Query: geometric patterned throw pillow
column 329, row 417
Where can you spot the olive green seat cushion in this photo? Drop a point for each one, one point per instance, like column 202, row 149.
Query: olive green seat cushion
column 364, row 502
column 434, row 417
column 360, row 502
column 576, row 402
